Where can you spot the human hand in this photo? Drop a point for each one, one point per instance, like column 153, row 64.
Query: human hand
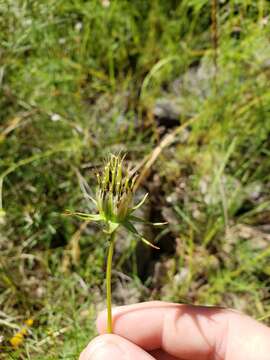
column 166, row 331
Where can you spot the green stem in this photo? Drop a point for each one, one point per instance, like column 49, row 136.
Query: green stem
column 109, row 283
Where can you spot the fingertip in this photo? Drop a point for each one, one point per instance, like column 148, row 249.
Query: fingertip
column 102, row 347
column 113, row 347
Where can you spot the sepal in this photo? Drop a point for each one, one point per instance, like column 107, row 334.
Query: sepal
column 130, row 227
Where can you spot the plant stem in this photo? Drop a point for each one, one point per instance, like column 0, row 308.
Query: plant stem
column 108, row 282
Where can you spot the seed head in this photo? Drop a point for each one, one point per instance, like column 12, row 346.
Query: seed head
column 115, row 199
column 115, row 190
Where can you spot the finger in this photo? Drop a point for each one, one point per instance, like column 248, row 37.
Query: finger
column 113, row 347
column 190, row 332
column 177, row 329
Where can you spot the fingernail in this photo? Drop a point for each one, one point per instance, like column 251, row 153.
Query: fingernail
column 104, row 351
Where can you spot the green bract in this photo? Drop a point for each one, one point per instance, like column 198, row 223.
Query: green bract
column 115, row 199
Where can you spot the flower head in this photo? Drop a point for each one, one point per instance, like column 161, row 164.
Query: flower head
column 18, row 338
column 115, row 190
column 115, row 199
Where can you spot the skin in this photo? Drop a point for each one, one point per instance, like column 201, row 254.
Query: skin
column 167, row 331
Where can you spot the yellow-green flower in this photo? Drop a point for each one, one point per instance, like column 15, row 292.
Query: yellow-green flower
column 115, row 199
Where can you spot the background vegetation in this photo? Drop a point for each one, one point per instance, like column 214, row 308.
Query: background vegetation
column 186, row 80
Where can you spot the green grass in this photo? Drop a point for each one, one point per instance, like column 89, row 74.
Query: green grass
column 79, row 80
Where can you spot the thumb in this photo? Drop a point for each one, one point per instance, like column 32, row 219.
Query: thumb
column 113, row 347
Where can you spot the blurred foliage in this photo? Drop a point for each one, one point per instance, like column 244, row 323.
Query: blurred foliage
column 82, row 78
